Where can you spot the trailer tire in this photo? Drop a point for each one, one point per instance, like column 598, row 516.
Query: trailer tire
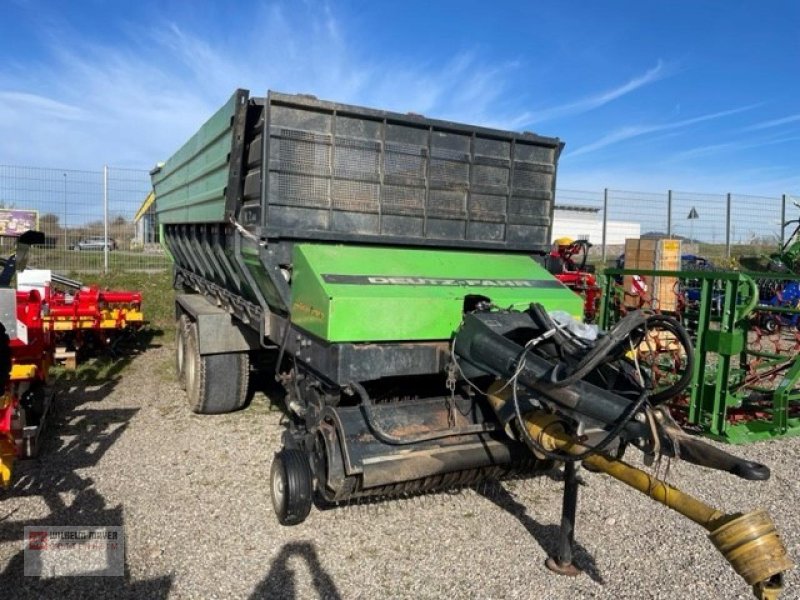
column 215, row 383
column 181, row 335
column 291, row 486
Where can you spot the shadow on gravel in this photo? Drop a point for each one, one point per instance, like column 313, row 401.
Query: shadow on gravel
column 545, row 535
column 76, row 437
column 122, row 347
column 262, row 379
column 280, row 581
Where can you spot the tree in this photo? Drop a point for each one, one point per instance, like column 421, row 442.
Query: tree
column 49, row 223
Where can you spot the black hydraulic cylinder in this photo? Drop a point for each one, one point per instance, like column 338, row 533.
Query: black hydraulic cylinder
column 481, row 342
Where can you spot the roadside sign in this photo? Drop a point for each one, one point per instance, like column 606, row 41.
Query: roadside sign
column 14, row 222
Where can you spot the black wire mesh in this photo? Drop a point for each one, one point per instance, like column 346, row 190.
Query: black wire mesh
column 68, row 206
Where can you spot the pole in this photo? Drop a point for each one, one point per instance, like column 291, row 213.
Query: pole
column 783, row 219
column 605, row 223
column 728, row 226
column 562, row 562
column 65, row 212
column 105, row 219
column 669, row 213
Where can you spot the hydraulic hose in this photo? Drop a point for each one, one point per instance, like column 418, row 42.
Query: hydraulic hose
column 602, row 351
column 670, row 324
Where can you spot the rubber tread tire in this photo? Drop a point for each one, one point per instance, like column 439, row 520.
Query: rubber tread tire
column 293, row 467
column 215, row 383
column 181, row 334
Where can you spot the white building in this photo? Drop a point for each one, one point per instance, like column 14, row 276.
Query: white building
column 586, row 223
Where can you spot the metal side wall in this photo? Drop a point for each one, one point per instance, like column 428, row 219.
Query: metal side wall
column 340, row 173
column 200, row 182
column 199, row 195
column 369, row 294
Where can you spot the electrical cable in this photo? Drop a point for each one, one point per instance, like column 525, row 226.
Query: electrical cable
column 599, row 447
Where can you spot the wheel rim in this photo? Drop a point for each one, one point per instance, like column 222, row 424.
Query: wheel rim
column 278, row 487
column 180, row 353
column 189, row 370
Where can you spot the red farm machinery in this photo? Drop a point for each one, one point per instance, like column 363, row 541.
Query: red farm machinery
column 36, row 318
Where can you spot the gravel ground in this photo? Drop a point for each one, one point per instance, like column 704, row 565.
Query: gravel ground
column 192, row 495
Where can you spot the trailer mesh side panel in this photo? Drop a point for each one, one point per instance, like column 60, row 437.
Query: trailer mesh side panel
column 343, row 173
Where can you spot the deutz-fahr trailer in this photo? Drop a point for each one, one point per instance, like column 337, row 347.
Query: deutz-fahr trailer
column 390, row 266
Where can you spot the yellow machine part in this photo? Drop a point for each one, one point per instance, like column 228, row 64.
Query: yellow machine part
column 111, row 319
column 128, row 315
column 8, row 450
column 23, row 372
column 749, row 542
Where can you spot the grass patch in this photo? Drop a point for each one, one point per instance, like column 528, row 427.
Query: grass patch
column 118, row 260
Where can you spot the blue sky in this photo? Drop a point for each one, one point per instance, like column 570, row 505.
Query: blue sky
column 691, row 95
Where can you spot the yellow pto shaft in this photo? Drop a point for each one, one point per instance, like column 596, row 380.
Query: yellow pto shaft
column 749, row 542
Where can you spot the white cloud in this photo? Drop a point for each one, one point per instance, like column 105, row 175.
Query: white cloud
column 135, row 103
column 634, row 131
column 734, row 146
column 595, row 101
column 658, row 178
column 773, row 123
column 20, row 102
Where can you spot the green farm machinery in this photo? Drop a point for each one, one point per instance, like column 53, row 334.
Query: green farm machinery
column 743, row 372
column 392, row 268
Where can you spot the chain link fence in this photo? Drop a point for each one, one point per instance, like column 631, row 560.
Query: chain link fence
column 78, row 210
column 716, row 226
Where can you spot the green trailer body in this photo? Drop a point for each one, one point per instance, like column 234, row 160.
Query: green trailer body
column 192, row 184
column 354, row 294
column 350, row 243
column 291, row 169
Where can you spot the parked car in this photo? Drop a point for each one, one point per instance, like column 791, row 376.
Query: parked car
column 95, row 243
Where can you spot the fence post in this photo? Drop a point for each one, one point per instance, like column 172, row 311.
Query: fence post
column 65, row 214
column 605, row 222
column 105, row 218
column 669, row 213
column 728, row 226
column 783, row 219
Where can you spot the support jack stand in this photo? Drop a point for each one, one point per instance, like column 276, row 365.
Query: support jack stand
column 561, row 564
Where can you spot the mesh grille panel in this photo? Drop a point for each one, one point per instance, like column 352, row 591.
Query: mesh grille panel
column 302, row 152
column 406, row 160
column 528, row 206
column 486, row 176
column 486, row 208
column 531, row 177
column 358, row 196
column 359, row 159
column 444, row 203
column 299, row 190
column 407, row 178
column 449, row 171
column 403, row 200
